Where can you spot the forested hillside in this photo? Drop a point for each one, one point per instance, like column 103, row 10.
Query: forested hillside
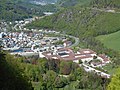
column 19, row 9
column 94, row 3
column 70, row 3
column 106, row 3
column 11, row 10
column 85, row 20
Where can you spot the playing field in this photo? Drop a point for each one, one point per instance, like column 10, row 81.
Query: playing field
column 111, row 40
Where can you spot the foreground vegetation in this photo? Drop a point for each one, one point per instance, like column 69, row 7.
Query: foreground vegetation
column 46, row 75
column 11, row 76
column 115, row 82
column 19, row 72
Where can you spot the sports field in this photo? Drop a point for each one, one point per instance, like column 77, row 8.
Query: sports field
column 111, row 40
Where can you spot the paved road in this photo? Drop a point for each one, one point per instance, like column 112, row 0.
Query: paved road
column 77, row 41
column 90, row 69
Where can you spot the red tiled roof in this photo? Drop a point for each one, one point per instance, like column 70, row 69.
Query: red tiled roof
column 65, row 49
column 70, row 56
column 83, row 56
column 87, row 51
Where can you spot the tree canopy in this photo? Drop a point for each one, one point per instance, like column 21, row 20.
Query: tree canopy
column 11, row 76
column 115, row 82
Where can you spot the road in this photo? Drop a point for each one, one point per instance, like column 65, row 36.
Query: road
column 77, row 41
column 98, row 72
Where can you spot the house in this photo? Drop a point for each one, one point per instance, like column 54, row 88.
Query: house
column 87, row 51
column 83, row 57
column 67, row 43
column 105, row 58
column 68, row 54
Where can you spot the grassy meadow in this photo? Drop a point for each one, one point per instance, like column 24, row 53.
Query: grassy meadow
column 111, row 40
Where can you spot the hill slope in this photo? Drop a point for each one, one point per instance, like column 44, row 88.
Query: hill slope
column 85, row 20
column 20, row 9
column 106, row 3
column 111, row 40
column 69, row 3
column 88, row 21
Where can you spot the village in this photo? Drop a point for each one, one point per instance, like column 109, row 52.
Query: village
column 32, row 42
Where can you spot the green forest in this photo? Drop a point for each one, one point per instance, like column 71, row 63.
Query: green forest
column 71, row 3
column 12, row 10
column 21, row 73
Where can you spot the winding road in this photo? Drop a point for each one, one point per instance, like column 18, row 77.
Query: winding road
column 77, row 41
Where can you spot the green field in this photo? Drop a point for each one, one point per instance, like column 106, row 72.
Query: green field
column 111, row 41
